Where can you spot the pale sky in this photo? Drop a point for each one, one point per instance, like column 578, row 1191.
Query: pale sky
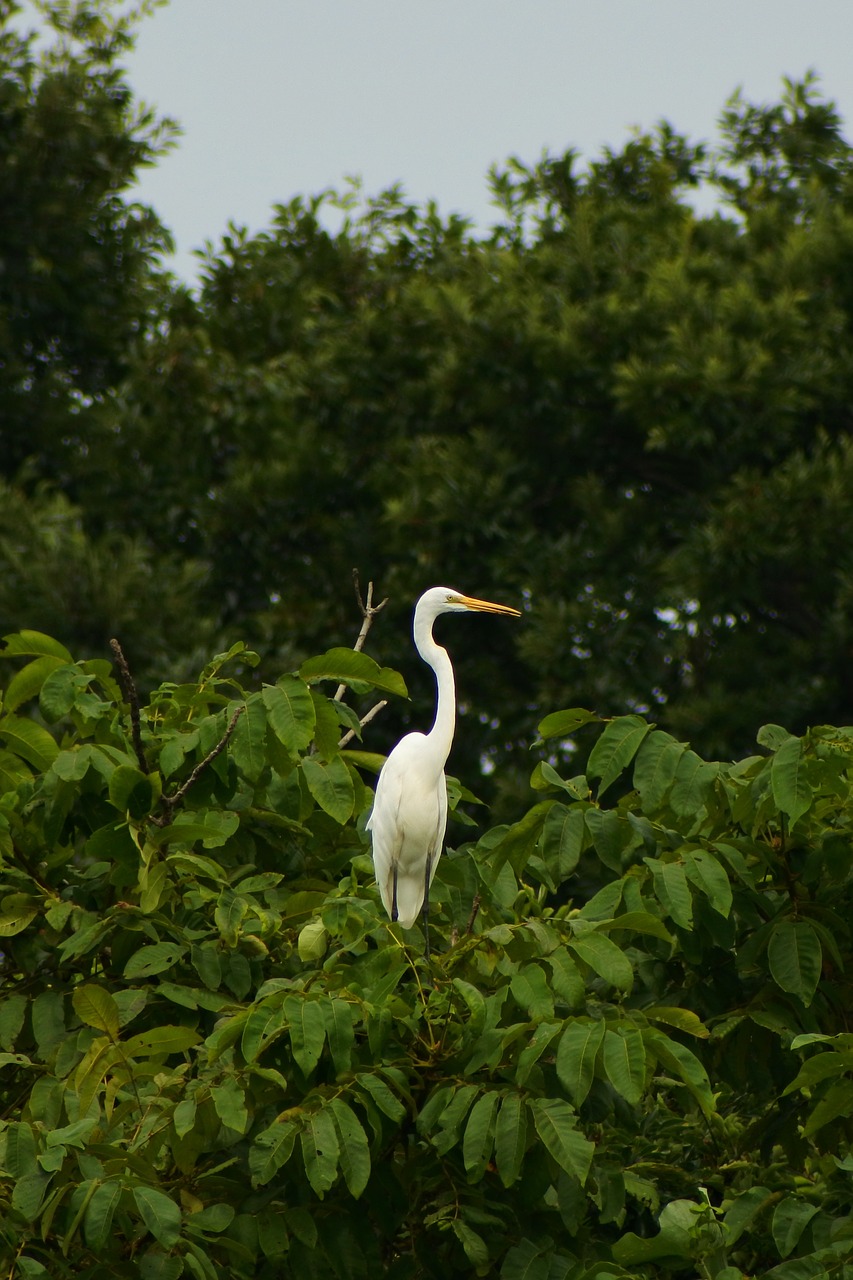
column 282, row 97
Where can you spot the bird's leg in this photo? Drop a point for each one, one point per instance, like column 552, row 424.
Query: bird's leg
column 426, row 906
column 394, row 912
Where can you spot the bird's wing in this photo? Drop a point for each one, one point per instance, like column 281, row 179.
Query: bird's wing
column 407, row 824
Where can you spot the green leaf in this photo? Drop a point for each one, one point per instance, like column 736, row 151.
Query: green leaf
column 555, row 1123
column 791, row 792
column 272, row 1149
column 478, row 1140
column 17, row 910
column 34, row 643
column 247, row 745
column 510, row 1138
column 340, row 1032
column 707, row 873
column 790, row 1219
column 616, row 748
column 131, row 791
column 29, row 741
column 12, row 1012
column 320, row 1150
column 526, row 1261
column 562, row 724
column 605, row 958
column 160, row 1041
column 156, row 958
column 691, row 789
column 655, row 768
column 307, row 1031
column 576, row 1055
column 672, row 890
column 624, row 1060
column 354, row 1147
column 529, row 987
column 795, row 957
column 229, row 1100
column 231, row 911
column 331, row 786
column 562, row 838
column 346, row 666
column 97, row 1008
column 290, row 711
column 98, row 1218
column 26, row 683
column 678, row 1060
column 476, row 1250
column 160, row 1214
column 379, row 1093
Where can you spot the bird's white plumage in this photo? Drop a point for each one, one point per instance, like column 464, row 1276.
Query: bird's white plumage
column 409, row 815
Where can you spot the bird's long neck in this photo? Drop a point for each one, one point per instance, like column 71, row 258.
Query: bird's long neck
column 440, row 735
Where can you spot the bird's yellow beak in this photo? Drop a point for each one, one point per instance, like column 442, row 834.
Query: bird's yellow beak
column 486, row 606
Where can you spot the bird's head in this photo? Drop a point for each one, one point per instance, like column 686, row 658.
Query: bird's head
column 446, row 600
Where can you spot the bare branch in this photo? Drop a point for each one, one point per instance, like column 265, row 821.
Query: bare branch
column 129, row 690
column 171, row 802
column 368, row 612
column 475, row 908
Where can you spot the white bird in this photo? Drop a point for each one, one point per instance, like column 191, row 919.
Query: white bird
column 409, row 813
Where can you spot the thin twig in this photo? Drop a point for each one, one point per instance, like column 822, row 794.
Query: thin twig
column 175, row 799
column 363, row 721
column 475, row 908
column 129, row 690
column 368, row 613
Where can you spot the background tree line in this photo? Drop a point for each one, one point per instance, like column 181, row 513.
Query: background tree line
column 633, row 416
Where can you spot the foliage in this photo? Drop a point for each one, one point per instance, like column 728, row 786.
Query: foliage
column 78, row 276
column 629, row 1056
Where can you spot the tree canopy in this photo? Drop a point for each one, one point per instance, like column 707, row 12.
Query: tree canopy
column 630, row 1054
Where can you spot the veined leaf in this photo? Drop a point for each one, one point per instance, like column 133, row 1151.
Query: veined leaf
column 616, row 748
column 672, row 890
column 271, row 1149
column 605, row 958
column 655, row 767
column 97, row 1008
column 320, row 1150
column 678, row 1060
column 478, row 1141
column 561, row 724
column 307, row 1031
column 26, row 683
column 706, row 872
column 161, row 1041
column 340, row 1031
column 17, row 910
column 555, row 1124
column 247, row 745
column 33, row 644
column 624, row 1059
column 562, row 837
column 160, row 1214
column 29, row 741
column 576, row 1054
column 791, row 791
column 510, row 1138
column 795, row 957
column 331, row 786
column 290, row 711
column 156, row 958
column 530, row 990
column 98, row 1218
column 347, row 666
column 354, row 1147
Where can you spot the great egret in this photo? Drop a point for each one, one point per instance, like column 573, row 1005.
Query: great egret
column 410, row 809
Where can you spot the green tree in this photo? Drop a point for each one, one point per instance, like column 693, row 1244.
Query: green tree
column 78, row 278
